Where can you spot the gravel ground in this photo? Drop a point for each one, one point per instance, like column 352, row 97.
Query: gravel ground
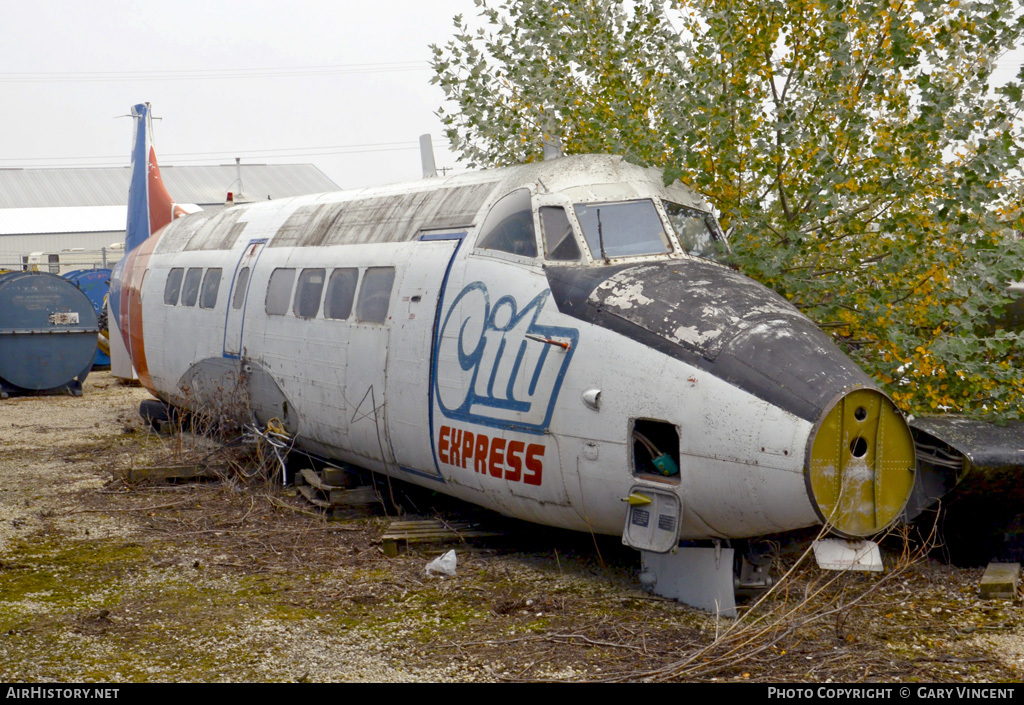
column 238, row 580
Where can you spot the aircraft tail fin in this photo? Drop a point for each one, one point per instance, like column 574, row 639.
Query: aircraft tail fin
column 150, row 206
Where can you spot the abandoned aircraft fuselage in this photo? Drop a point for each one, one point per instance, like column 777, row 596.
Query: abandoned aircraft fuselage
column 543, row 340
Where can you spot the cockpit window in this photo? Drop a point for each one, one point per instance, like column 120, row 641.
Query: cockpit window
column 696, row 230
column 559, row 241
column 509, row 226
column 625, row 229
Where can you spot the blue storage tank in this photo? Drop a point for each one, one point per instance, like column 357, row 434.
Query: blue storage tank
column 47, row 334
column 95, row 283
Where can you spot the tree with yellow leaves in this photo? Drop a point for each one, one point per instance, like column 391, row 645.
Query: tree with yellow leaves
column 855, row 149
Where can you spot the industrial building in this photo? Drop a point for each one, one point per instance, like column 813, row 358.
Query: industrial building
column 61, row 219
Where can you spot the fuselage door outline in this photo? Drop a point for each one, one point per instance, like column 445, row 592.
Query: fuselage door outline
column 234, row 319
column 459, row 236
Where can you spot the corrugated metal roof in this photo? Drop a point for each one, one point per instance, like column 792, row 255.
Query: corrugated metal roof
column 203, row 185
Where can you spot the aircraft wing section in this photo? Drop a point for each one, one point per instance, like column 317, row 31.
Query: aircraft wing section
column 975, row 469
column 983, row 444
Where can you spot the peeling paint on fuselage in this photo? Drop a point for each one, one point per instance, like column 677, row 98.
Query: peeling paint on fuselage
column 692, row 336
column 628, row 295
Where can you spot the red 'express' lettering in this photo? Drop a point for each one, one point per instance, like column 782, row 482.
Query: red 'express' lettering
column 497, row 457
column 480, row 453
column 514, row 461
column 534, row 467
column 515, row 471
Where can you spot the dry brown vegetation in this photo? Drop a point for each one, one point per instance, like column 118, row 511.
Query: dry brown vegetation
column 237, row 579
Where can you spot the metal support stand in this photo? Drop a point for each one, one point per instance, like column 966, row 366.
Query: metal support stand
column 699, row 577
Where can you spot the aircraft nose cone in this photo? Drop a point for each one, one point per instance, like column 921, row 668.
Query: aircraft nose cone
column 860, row 465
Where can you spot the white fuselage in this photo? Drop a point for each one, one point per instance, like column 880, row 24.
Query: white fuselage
column 474, row 382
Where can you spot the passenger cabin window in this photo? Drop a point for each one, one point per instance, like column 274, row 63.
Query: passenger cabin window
column 509, row 226
column 341, row 292
column 697, row 231
column 172, row 287
column 307, row 295
column 374, row 295
column 240, row 283
column 559, row 241
column 279, row 291
column 190, row 290
column 211, row 285
column 626, row 229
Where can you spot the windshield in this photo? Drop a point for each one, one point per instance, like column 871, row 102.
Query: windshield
column 559, row 241
column 625, row 229
column 509, row 226
column 697, row 231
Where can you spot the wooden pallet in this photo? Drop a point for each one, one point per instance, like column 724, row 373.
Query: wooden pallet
column 336, row 498
column 432, row 531
column 165, row 473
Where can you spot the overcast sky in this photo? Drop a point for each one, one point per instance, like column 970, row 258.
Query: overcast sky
column 217, row 74
column 342, row 85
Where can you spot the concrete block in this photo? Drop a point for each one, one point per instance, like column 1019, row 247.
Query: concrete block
column 1000, row 581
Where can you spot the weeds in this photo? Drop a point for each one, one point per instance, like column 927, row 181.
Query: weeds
column 803, row 599
column 214, row 429
column 811, row 624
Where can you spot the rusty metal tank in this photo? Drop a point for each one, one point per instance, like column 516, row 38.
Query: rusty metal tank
column 48, row 333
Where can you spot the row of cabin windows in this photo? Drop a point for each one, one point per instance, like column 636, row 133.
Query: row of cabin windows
column 189, row 287
column 371, row 306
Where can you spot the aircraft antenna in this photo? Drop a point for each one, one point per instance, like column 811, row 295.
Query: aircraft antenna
column 427, row 157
